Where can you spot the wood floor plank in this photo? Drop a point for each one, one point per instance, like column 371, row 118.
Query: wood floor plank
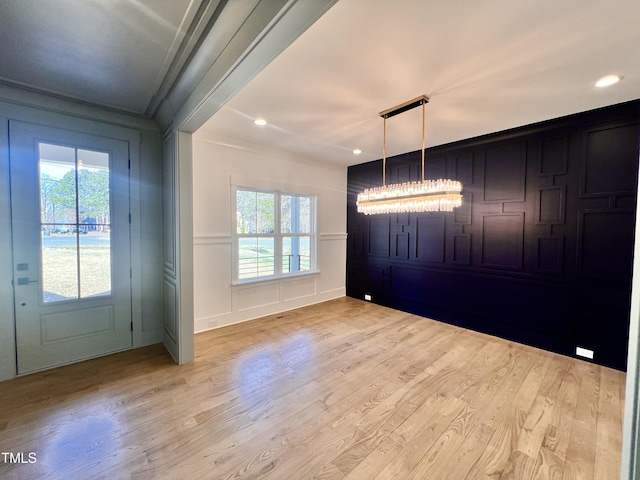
column 434, row 435
column 508, row 425
column 341, row 390
column 539, row 418
column 609, row 425
column 374, row 462
column 580, row 459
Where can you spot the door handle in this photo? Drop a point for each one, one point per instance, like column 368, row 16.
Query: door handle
column 25, row 281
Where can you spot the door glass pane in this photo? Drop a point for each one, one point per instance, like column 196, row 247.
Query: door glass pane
column 59, row 267
column 95, row 223
column 57, row 184
column 95, row 264
column 75, row 223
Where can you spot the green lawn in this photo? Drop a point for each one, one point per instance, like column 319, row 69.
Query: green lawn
column 60, row 271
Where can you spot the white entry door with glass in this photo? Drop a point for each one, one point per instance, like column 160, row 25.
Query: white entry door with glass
column 71, row 245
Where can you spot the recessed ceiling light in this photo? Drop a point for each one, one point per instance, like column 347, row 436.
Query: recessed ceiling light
column 607, row 81
column 357, row 151
column 260, row 121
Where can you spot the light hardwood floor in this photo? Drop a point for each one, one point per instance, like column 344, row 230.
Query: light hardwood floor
column 340, row 390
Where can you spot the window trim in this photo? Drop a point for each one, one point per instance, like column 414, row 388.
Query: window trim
column 277, row 236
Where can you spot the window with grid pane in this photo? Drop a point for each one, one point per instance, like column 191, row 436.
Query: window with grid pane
column 274, row 234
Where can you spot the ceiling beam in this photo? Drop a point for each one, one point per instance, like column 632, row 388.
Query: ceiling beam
column 268, row 29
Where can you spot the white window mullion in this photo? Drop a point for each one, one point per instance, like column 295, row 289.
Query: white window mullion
column 236, row 237
column 277, row 252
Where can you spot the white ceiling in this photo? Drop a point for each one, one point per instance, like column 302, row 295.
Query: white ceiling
column 113, row 53
column 159, row 59
column 486, row 66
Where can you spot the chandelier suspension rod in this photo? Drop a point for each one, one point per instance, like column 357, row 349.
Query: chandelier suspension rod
column 423, row 103
column 384, row 151
column 403, row 107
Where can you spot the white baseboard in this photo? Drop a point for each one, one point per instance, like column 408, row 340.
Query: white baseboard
column 231, row 318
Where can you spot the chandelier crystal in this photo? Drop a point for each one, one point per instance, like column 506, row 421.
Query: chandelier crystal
column 442, row 195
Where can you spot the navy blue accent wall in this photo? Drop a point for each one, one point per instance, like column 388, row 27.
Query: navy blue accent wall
column 541, row 250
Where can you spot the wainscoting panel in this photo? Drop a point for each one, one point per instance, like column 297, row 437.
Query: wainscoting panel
column 299, row 288
column 549, row 254
column 540, row 251
column 504, row 173
column 462, row 214
column 254, row 296
column 554, row 156
column 430, row 238
column 551, row 206
column 379, row 241
column 502, row 241
column 605, row 242
column 610, row 153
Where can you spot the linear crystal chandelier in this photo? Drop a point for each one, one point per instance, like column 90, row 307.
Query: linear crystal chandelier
column 440, row 195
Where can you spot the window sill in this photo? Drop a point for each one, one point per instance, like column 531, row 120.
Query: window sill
column 273, row 278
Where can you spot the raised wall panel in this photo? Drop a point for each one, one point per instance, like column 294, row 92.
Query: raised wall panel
column 546, row 311
column 402, row 219
column 430, row 238
column 401, row 242
column 399, row 173
column 170, row 317
column 605, row 242
column 356, row 237
column 168, row 204
column 357, row 242
column 462, row 249
column 255, row 296
column 550, row 208
column 462, row 214
column 610, row 160
column 298, row 288
column 502, row 240
column 554, row 156
column 464, row 169
column 369, row 276
column 435, row 169
column 504, row 173
column 549, row 254
column 415, row 283
column 379, row 232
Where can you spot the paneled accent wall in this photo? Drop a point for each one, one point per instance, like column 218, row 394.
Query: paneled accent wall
column 540, row 251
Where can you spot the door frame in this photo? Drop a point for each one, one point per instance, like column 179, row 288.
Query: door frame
column 112, row 332
column 80, row 123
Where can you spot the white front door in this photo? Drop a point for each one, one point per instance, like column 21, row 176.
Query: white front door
column 71, row 245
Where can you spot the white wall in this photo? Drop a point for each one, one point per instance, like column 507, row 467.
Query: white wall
column 216, row 165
